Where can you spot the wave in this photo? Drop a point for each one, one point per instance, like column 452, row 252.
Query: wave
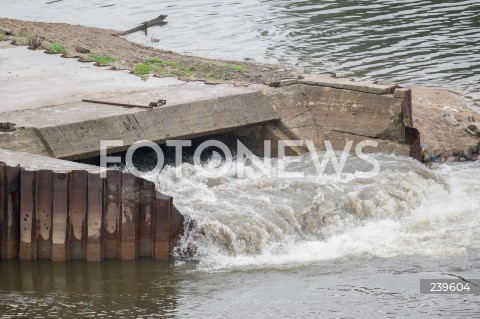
column 261, row 221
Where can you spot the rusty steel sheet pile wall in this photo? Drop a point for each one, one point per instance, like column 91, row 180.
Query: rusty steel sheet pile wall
column 81, row 216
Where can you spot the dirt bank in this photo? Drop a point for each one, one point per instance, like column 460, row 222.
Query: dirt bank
column 88, row 43
column 447, row 142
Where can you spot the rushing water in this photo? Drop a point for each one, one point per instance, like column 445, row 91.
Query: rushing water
column 262, row 221
column 321, row 246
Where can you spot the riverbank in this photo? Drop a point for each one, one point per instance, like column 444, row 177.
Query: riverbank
column 107, row 48
column 445, row 141
column 447, row 138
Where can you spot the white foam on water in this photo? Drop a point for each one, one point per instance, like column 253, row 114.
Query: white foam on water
column 259, row 221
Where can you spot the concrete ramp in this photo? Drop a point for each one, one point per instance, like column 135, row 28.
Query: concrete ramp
column 179, row 121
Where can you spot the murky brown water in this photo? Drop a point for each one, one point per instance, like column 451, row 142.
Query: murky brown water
column 369, row 288
column 413, row 226
column 410, row 224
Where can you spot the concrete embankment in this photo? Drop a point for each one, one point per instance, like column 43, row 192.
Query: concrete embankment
column 74, row 214
column 316, row 108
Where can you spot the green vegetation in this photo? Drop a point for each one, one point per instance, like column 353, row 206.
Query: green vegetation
column 216, row 76
column 2, row 36
column 169, row 68
column 101, row 59
column 56, row 48
column 142, row 69
column 179, row 69
column 236, row 67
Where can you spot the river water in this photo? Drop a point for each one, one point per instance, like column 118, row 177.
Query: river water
column 321, row 246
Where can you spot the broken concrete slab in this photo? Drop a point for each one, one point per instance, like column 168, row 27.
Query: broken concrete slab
column 182, row 121
column 320, row 113
column 329, row 80
column 316, row 108
column 32, row 162
column 75, row 112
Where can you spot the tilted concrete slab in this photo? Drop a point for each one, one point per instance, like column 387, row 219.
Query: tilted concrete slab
column 32, row 162
column 78, row 111
column 329, row 80
column 318, row 108
column 188, row 120
column 42, row 94
column 42, row 90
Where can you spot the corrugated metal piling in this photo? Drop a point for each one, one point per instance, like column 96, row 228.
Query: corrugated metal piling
column 80, row 216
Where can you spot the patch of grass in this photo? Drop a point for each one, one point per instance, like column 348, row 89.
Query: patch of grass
column 142, row 69
column 164, row 71
column 236, row 67
column 171, row 68
column 2, row 36
column 161, row 62
column 101, row 59
column 56, row 48
column 216, row 76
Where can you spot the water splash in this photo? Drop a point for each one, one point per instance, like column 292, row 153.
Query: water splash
column 265, row 222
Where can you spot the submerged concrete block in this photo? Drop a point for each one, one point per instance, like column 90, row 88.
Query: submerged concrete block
column 320, row 113
column 328, row 80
